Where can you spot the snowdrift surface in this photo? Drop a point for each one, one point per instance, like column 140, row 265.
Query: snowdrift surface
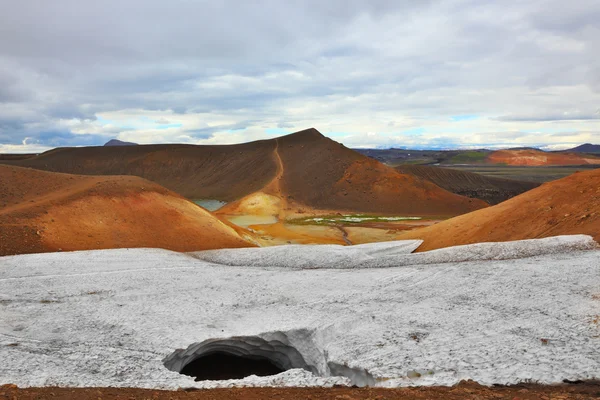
column 566, row 206
column 134, row 317
column 46, row 211
column 390, row 254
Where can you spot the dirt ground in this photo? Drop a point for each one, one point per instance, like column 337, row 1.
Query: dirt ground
column 465, row 390
column 567, row 206
column 492, row 190
column 46, row 211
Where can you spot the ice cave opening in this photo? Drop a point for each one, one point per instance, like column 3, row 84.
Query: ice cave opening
column 222, row 366
column 266, row 354
column 238, row 357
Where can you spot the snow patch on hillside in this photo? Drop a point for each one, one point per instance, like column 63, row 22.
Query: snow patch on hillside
column 112, row 317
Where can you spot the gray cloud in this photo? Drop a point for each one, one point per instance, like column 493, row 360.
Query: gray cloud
column 278, row 64
column 566, row 116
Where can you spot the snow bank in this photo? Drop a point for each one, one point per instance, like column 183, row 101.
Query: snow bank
column 308, row 256
column 116, row 317
column 390, row 254
column 490, row 251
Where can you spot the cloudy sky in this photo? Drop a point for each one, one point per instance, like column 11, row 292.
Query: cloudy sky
column 417, row 74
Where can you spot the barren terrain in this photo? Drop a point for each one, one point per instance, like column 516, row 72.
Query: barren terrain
column 567, row 206
column 46, row 211
column 300, row 172
column 489, row 189
column 465, row 390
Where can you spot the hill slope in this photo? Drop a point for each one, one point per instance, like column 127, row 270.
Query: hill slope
column 489, row 189
column 200, row 172
column 46, row 211
column 317, row 173
column 532, row 157
column 567, row 206
column 302, row 170
column 585, row 148
column 117, row 142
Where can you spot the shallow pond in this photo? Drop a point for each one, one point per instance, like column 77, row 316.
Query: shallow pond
column 210, row 204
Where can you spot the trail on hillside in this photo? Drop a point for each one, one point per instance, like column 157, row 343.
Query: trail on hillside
column 275, row 185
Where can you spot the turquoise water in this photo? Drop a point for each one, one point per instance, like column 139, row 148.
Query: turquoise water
column 209, row 204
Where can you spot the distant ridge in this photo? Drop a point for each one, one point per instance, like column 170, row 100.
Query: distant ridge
column 586, row 148
column 540, row 158
column 117, row 142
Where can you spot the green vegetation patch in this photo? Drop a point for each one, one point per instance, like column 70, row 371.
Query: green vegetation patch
column 467, row 157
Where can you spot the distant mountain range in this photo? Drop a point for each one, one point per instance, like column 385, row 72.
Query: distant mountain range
column 586, row 148
column 116, row 142
column 585, row 154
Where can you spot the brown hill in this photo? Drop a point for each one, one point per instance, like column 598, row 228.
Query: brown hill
column 316, row 173
column 585, row 148
column 303, row 171
column 46, row 211
column 197, row 172
column 532, row 157
column 567, row 206
column 489, row 189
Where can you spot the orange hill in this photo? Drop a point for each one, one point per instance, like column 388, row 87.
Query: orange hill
column 564, row 207
column 301, row 172
column 46, row 211
column 532, row 157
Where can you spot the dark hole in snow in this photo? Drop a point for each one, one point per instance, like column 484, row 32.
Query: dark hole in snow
column 268, row 354
column 221, row 366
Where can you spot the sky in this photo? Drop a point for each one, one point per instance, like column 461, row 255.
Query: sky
column 412, row 74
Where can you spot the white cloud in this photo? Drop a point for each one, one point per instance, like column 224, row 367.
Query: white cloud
column 226, row 72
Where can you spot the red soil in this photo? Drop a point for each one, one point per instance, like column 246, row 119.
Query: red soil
column 532, row 157
column 45, row 211
column 464, row 390
column 564, row 207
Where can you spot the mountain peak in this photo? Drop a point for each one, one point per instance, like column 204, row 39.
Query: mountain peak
column 306, row 135
column 117, row 142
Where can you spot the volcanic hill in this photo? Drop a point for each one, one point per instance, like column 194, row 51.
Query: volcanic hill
column 297, row 173
column 489, row 189
column 47, row 211
column 533, row 157
column 117, row 142
column 585, row 148
column 566, row 206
